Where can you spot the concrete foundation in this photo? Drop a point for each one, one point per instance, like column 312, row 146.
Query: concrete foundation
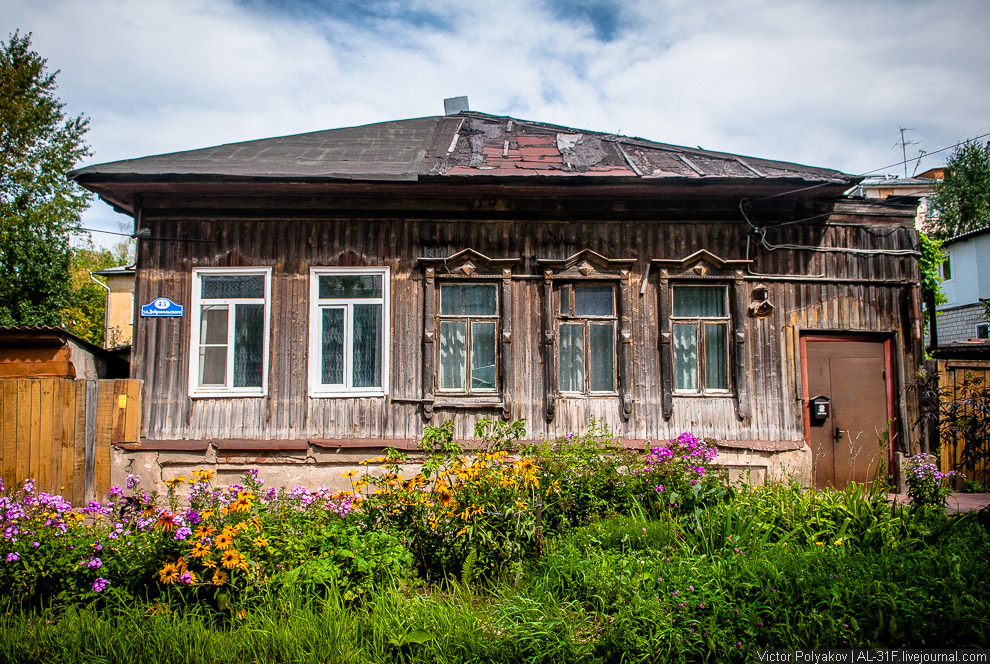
column 317, row 467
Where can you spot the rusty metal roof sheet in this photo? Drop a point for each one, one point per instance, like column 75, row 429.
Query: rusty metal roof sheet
column 463, row 145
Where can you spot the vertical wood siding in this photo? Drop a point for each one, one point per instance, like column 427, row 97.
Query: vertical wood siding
column 59, row 432
column 292, row 246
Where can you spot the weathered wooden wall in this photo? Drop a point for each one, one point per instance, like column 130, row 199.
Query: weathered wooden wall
column 811, row 291
column 59, row 432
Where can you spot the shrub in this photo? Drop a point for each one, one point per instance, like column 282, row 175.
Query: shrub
column 926, row 486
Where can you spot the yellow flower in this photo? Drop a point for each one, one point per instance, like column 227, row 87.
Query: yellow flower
column 260, row 541
column 203, row 475
column 231, row 558
column 169, row 573
column 219, row 577
column 242, row 527
column 838, row 542
column 224, row 540
column 526, row 467
column 207, row 514
column 199, row 550
column 349, row 473
column 204, row 531
column 175, row 481
column 242, row 504
column 819, row 544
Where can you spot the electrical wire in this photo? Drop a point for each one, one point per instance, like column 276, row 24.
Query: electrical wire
column 761, row 232
column 97, row 230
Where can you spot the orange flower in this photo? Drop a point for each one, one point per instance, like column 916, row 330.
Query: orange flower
column 224, row 540
column 169, row 573
column 204, row 531
column 219, row 578
column 166, row 522
column 231, row 558
column 199, row 550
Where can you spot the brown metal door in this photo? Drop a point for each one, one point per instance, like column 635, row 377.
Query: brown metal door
column 853, row 375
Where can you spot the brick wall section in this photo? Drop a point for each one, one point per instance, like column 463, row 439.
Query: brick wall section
column 959, row 324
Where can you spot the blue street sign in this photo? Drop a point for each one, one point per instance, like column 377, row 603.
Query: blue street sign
column 161, row 307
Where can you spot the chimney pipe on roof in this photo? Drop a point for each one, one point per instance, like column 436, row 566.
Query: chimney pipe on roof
column 455, row 105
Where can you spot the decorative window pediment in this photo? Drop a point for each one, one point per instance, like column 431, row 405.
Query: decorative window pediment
column 700, row 264
column 586, row 264
column 469, row 264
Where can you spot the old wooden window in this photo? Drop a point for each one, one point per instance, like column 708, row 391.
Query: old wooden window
column 700, row 324
column 467, row 328
column 230, row 314
column 586, row 333
column 348, row 342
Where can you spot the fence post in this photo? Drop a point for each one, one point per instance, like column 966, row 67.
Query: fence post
column 89, row 470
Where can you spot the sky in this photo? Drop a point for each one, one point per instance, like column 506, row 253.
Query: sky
column 820, row 82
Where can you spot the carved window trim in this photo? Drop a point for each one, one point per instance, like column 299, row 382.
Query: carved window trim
column 700, row 268
column 466, row 266
column 586, row 267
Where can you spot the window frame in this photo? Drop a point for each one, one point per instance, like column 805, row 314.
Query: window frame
column 700, row 323
column 197, row 303
column 984, row 326
column 586, row 321
column 318, row 389
column 469, row 320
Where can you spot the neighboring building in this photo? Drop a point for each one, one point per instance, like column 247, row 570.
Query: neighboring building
column 119, row 323
column 51, row 352
column 343, row 289
column 966, row 284
column 891, row 186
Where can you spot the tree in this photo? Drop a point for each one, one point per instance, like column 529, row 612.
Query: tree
column 85, row 316
column 961, row 201
column 39, row 206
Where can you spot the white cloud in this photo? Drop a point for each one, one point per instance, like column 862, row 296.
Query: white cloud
column 818, row 82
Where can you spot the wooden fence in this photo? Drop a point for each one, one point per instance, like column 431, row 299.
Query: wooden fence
column 59, row 432
column 951, row 375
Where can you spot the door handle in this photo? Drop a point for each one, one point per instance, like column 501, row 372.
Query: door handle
column 838, row 434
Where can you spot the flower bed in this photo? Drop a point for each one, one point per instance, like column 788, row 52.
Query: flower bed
column 612, row 551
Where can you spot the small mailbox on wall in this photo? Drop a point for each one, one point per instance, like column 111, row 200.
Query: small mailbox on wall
column 821, row 408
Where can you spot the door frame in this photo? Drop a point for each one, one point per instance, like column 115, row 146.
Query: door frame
column 888, row 365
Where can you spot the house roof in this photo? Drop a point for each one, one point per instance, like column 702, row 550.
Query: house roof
column 39, row 335
column 466, row 144
column 116, row 271
column 977, row 232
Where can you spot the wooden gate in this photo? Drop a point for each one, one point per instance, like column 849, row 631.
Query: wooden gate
column 951, row 375
column 59, row 432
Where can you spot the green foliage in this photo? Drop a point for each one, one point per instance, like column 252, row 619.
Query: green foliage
column 961, row 202
column 86, row 315
column 38, row 204
column 930, row 266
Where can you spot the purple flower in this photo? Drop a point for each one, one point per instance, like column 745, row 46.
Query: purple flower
column 186, row 577
column 100, row 584
column 132, row 481
column 13, row 556
column 183, row 532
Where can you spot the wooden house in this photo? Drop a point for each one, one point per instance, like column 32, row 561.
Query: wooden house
column 343, row 289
